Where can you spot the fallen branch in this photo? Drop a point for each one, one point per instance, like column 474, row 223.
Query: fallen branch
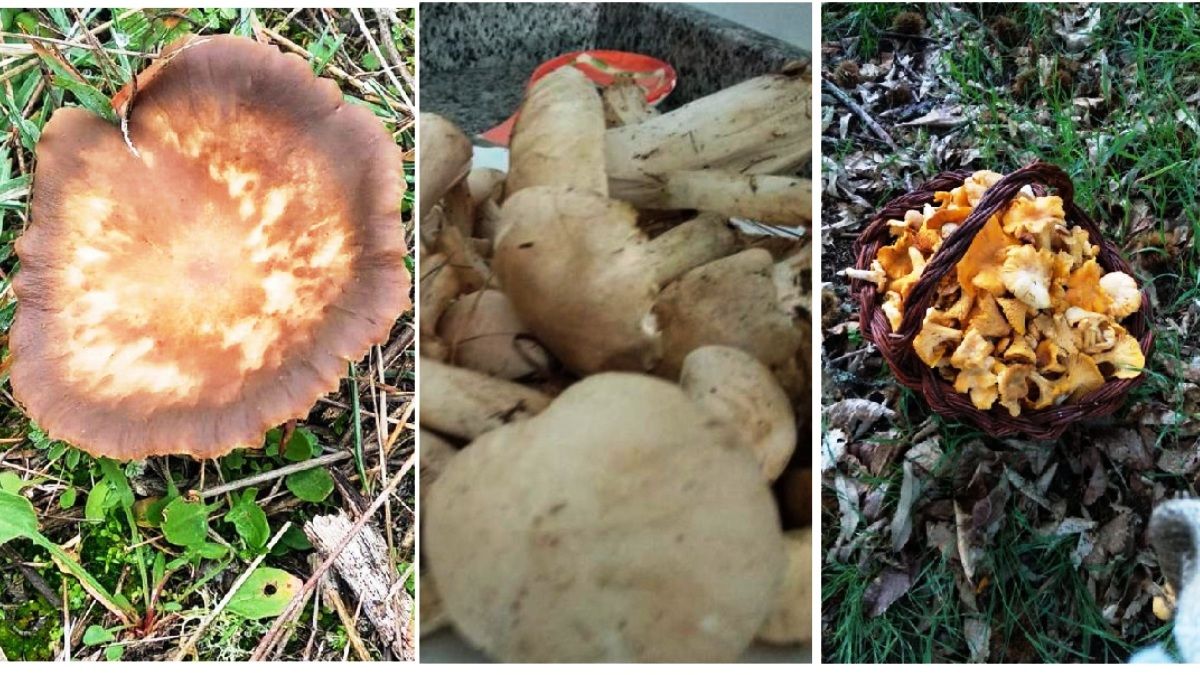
column 269, row 476
column 858, row 110
column 269, row 640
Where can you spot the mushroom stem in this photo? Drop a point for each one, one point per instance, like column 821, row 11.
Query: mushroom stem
column 558, row 139
column 439, row 286
column 464, row 404
column 760, row 126
column 625, row 103
column 689, row 245
column 444, row 158
column 781, row 200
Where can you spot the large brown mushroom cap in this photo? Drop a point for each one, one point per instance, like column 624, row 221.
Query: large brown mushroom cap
column 190, row 293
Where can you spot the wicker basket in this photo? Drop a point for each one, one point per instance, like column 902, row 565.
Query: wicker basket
column 908, row 368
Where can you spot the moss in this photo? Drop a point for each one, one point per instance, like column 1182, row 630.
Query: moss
column 29, row 630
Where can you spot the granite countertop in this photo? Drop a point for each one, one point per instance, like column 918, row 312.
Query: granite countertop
column 476, row 59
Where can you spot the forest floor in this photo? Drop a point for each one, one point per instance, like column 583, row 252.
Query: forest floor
column 1051, row 560
column 170, row 557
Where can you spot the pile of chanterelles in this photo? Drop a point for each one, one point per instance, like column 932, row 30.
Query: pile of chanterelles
column 1029, row 319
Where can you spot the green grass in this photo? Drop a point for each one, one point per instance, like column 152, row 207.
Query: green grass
column 129, row 525
column 1134, row 148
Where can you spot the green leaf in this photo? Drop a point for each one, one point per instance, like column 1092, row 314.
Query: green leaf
column 271, row 449
column 17, row 517
column 295, row 540
column 301, row 445
column 97, row 635
column 120, row 484
column 185, row 523
column 99, row 501
column 369, row 61
column 68, row 498
column 249, row 520
column 312, row 485
column 234, row 461
column 211, row 550
column 11, row 482
column 114, row 652
column 265, row 594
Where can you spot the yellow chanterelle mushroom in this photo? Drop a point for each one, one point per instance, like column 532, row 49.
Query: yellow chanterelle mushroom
column 1029, row 318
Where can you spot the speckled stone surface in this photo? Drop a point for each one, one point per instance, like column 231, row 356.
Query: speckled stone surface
column 476, row 58
column 708, row 52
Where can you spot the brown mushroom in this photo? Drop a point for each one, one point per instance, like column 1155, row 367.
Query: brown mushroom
column 192, row 287
column 791, row 621
column 440, row 285
column 464, row 404
column 736, row 389
column 558, row 138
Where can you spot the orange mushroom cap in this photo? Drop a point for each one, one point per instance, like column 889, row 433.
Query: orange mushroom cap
column 190, row 293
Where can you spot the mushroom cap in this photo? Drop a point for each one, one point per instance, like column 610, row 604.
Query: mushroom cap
column 482, row 331
column 190, row 297
column 791, row 621
column 740, row 392
column 617, row 525
column 732, row 301
column 1026, row 274
column 573, row 264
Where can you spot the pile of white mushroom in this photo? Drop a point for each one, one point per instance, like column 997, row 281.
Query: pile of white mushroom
column 611, row 376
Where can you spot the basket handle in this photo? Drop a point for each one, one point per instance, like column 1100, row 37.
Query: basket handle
column 955, row 246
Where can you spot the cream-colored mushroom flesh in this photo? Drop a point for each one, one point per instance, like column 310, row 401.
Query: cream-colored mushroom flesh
column 732, row 301
column 613, row 526
column 739, row 391
column 188, row 293
column 791, row 622
column 572, row 263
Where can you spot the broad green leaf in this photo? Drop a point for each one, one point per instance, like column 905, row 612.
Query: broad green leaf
column 99, row 501
column 249, row 520
column 312, row 485
column 265, row 594
column 119, row 483
column 17, row 517
column 68, row 498
column 293, row 539
column 185, row 523
column 11, row 482
column 271, row 449
column 234, row 461
column 211, row 550
column 97, row 635
column 301, row 445
column 114, row 652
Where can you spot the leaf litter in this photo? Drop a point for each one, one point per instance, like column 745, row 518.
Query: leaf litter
column 1042, row 546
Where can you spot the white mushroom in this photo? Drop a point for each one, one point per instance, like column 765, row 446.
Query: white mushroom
column 614, row 526
column 740, row 392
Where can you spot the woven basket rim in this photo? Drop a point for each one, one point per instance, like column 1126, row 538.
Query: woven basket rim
column 896, row 347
